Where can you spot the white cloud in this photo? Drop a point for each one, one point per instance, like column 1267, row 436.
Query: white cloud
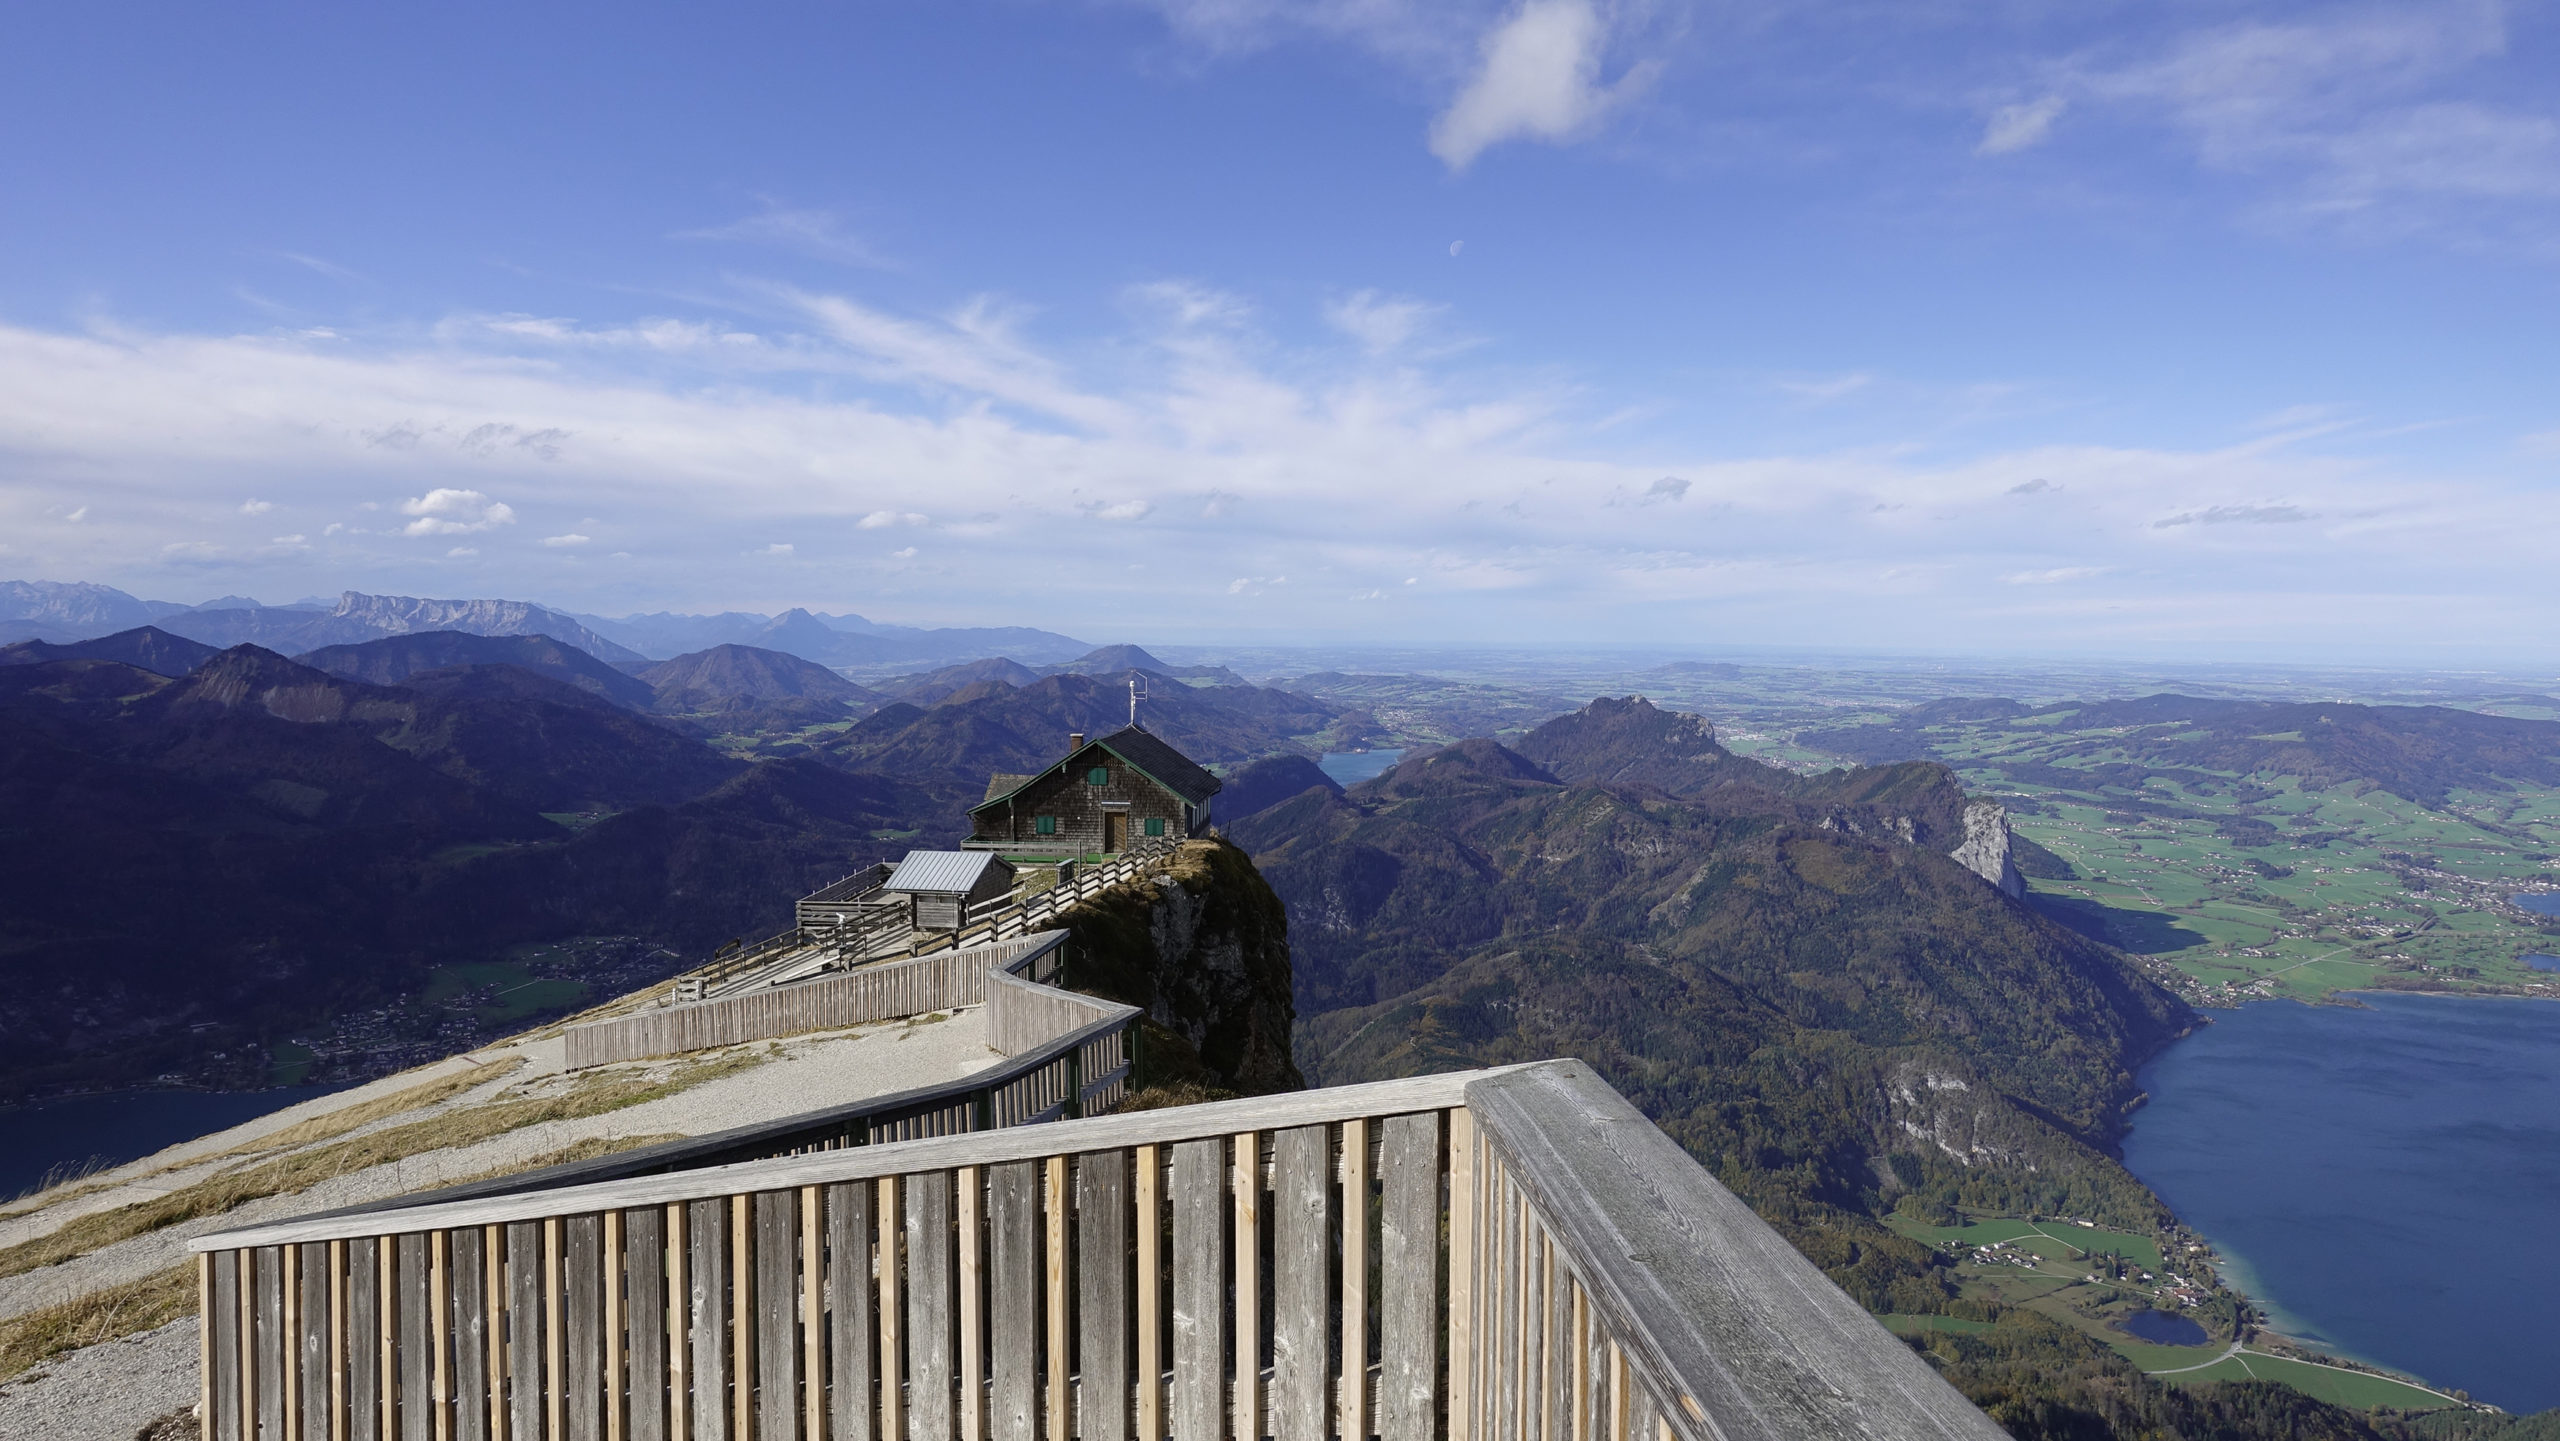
column 446, row 511
column 562, row 542
column 904, row 552
column 256, row 507
column 2013, row 128
column 779, row 547
column 1539, row 80
column 78, row 515
column 2055, row 576
column 288, row 540
column 461, row 552
column 1499, row 490
column 1380, row 323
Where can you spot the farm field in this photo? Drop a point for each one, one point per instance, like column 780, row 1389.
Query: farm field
column 2360, row 1390
column 2254, row 885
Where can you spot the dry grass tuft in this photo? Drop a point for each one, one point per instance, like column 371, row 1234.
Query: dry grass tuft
column 349, row 1118
column 285, row 1175
column 127, row 1310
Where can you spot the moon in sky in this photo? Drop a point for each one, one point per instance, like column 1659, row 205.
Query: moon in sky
column 1456, row 245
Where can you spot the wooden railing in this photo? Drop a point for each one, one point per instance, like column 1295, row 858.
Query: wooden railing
column 1515, row 1255
column 1005, row 918
column 857, row 997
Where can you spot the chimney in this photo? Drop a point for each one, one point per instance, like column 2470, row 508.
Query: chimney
column 1075, row 741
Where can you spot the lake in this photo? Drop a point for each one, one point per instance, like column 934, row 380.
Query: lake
column 1350, row 768
column 2547, row 904
column 2380, row 1180
column 121, row 1127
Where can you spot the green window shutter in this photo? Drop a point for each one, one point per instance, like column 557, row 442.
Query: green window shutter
column 1044, row 825
column 1098, row 776
column 1155, row 825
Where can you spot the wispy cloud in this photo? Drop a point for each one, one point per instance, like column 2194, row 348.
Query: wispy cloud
column 2013, row 128
column 817, row 234
column 2239, row 515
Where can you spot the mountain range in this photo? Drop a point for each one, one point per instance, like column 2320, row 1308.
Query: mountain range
column 75, row 611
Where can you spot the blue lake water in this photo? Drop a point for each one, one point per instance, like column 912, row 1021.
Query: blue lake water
column 2541, row 962
column 1350, row 768
column 125, row 1126
column 2161, row 1328
column 2547, row 903
column 2381, row 1180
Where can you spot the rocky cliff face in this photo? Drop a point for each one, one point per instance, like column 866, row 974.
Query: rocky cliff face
column 1986, row 848
column 1203, row 949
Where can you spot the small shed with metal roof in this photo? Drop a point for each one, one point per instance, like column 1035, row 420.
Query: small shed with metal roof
column 1102, row 797
column 942, row 886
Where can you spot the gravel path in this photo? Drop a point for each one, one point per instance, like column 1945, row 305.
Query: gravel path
column 810, row 1073
column 105, row 1393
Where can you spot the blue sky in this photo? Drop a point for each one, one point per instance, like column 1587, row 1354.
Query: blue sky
column 2198, row 328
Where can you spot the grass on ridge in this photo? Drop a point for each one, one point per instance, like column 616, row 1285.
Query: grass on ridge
column 301, row 1170
column 130, row 1309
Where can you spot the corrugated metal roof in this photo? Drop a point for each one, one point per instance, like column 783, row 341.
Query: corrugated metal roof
column 942, row 872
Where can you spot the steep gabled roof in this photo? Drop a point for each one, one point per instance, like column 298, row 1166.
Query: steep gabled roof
column 1144, row 753
column 1162, row 764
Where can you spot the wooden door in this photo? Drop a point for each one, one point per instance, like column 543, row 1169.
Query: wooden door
column 1115, row 831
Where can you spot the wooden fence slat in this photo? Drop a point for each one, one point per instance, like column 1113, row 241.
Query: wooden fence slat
column 312, row 1353
column 707, row 1311
column 1352, row 1405
column 469, row 1329
column 1409, row 1272
column 525, row 1322
column 363, row 1340
column 225, row 1313
column 1466, row 1265
column 742, row 1316
column 1013, row 1276
column 644, row 1233
column 813, row 1312
column 416, row 1345
column 1102, row 1295
column 852, row 1357
column 892, row 1324
column 266, row 1336
column 971, row 1208
column 777, row 1300
column 1246, row 1252
column 931, row 1359
column 1150, row 1308
column 1302, row 1296
column 1198, row 1412
column 1056, row 1347
column 582, row 1337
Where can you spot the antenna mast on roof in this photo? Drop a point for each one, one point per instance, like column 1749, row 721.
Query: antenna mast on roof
column 1137, row 693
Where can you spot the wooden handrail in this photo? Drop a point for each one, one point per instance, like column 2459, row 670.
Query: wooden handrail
column 1190, row 1274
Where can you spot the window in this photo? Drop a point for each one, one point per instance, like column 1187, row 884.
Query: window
column 1044, row 825
column 1098, row 776
column 1155, row 825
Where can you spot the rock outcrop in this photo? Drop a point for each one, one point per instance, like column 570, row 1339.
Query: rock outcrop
column 1986, row 849
column 1203, row 949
